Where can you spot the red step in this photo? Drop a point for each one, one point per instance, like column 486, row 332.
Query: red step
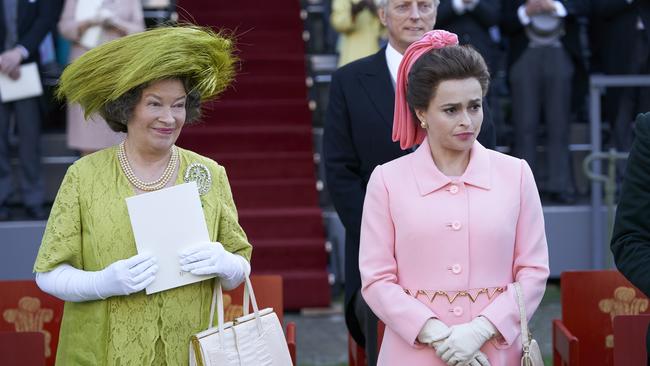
column 240, row 22
column 282, row 223
column 275, row 41
column 255, row 113
column 264, row 166
column 277, row 193
column 260, row 130
column 271, row 64
column 218, row 139
column 187, row 9
column 303, row 288
column 280, row 255
column 251, row 87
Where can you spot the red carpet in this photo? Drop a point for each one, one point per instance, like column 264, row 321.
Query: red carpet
column 260, row 130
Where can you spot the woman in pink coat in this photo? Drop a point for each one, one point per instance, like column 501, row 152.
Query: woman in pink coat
column 117, row 18
column 448, row 229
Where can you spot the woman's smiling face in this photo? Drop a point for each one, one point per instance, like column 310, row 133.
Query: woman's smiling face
column 159, row 115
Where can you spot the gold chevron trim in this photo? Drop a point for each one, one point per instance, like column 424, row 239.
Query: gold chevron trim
column 451, row 296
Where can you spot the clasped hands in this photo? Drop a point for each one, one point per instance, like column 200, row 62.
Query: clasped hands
column 539, row 6
column 133, row 274
column 458, row 345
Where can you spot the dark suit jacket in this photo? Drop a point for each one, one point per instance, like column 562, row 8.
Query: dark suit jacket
column 357, row 138
column 631, row 238
column 35, row 18
column 473, row 27
column 613, row 21
column 514, row 30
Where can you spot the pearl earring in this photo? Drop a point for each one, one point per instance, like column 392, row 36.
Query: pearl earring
column 423, row 125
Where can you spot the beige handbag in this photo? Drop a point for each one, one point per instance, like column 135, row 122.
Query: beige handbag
column 251, row 340
column 532, row 356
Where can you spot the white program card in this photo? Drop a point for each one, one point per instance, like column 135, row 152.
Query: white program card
column 28, row 85
column 164, row 223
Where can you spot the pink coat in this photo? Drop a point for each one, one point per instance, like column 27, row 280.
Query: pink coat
column 423, row 232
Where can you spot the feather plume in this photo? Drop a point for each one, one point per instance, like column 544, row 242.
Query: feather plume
column 105, row 73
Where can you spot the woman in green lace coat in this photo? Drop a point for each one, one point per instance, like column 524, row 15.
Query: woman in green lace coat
column 147, row 85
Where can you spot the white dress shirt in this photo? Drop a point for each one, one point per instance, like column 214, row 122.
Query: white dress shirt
column 393, row 59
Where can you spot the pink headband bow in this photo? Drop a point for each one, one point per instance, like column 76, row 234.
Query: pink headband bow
column 405, row 130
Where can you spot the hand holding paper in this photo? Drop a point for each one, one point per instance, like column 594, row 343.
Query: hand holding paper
column 209, row 258
column 10, row 63
column 126, row 276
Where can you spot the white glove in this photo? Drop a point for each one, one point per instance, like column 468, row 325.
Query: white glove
column 465, row 340
column 433, row 331
column 126, row 276
column 479, row 359
column 123, row 277
column 211, row 258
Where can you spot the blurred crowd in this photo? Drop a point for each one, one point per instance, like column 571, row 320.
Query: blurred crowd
column 50, row 34
column 540, row 54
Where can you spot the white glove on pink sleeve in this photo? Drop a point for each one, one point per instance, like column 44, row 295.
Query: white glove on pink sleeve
column 123, row 277
column 433, row 330
column 465, row 340
column 211, row 258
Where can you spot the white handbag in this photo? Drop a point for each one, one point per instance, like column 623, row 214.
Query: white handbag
column 532, row 355
column 251, row 340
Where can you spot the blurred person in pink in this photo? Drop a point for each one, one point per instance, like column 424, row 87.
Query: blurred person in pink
column 116, row 18
column 447, row 230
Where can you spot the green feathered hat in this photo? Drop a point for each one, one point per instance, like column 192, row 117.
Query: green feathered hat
column 105, row 73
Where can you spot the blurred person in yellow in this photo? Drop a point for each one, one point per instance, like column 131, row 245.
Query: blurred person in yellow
column 359, row 29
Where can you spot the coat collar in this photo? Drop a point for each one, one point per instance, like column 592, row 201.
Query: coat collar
column 430, row 179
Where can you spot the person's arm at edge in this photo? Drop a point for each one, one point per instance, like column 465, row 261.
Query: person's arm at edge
column 631, row 237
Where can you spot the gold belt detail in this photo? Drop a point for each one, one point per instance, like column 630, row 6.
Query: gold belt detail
column 451, row 296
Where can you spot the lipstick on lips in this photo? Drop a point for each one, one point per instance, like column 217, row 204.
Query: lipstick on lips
column 464, row 136
column 164, row 131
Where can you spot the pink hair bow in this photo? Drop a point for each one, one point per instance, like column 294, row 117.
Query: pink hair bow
column 405, row 129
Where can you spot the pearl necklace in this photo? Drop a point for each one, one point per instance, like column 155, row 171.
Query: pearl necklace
column 137, row 182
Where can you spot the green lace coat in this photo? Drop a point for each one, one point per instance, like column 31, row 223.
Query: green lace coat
column 89, row 228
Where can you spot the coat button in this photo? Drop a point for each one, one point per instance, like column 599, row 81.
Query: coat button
column 458, row 311
column 456, row 269
column 456, row 225
column 453, row 189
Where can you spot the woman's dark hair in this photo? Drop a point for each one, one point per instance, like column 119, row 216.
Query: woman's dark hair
column 441, row 64
column 119, row 111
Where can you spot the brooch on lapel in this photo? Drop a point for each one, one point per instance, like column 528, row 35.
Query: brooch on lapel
column 200, row 174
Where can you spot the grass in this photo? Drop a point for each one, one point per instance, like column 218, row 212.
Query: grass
column 552, row 294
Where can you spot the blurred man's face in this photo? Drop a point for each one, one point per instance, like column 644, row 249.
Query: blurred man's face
column 407, row 21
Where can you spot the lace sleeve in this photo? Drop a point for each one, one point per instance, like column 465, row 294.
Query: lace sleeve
column 231, row 234
column 62, row 238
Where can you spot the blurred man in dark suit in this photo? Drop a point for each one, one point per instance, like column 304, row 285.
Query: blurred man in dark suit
column 542, row 61
column 620, row 36
column 23, row 25
column 471, row 20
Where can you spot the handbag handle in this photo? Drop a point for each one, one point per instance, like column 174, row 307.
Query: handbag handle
column 217, row 298
column 525, row 335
